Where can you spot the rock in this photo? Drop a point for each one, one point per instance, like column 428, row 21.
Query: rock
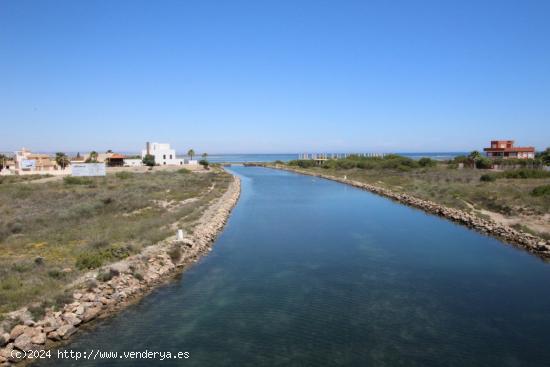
column 23, row 342
column 71, row 318
column 121, row 267
column 4, row 339
column 54, row 336
column 51, row 324
column 79, row 310
column 77, row 295
column 91, row 313
column 65, row 331
column 39, row 338
column 17, row 330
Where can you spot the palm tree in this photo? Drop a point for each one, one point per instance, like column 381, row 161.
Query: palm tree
column 191, row 153
column 474, row 157
column 204, row 155
column 93, row 156
column 62, row 159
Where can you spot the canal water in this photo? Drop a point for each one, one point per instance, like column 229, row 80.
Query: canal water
column 310, row 272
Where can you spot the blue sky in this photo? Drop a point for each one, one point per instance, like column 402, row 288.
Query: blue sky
column 274, row 76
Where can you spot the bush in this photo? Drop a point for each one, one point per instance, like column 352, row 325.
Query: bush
column 427, row 162
column 487, row 178
column 184, row 171
column 107, row 275
column 526, row 173
column 484, row 163
column 302, row 163
column 149, row 160
column 543, row 190
column 204, row 163
column 124, row 175
column 89, row 260
column 62, row 299
column 56, row 274
column 72, row 180
column 175, row 253
column 137, row 275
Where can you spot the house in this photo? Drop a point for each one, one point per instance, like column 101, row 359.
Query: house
column 114, row 160
column 28, row 162
column 505, row 149
column 164, row 155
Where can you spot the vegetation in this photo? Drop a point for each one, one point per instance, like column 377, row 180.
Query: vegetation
column 191, row 153
column 62, row 160
column 543, row 190
column 92, row 157
column 204, row 163
column 149, row 160
column 51, row 232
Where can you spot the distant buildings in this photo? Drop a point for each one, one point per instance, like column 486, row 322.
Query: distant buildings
column 505, row 149
column 164, row 155
column 28, row 162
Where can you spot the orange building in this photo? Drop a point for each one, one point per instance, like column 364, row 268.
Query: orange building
column 505, row 149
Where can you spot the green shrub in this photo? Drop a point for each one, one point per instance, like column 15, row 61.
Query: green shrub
column 124, row 175
column 89, row 260
column 56, row 274
column 427, row 162
column 62, row 299
column 72, row 180
column 484, row 163
column 525, row 173
column 543, row 190
column 184, row 171
column 137, row 275
column 107, row 275
column 488, row 178
column 37, row 310
column 302, row 163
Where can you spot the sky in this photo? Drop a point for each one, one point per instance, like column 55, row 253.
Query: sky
column 266, row 76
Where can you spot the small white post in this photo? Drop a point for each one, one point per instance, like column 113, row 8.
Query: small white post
column 179, row 235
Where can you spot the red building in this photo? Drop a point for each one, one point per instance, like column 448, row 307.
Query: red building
column 505, row 149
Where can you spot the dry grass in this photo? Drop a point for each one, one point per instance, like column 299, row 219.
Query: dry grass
column 52, row 232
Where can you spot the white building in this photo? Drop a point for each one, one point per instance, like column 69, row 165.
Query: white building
column 164, row 155
column 132, row 162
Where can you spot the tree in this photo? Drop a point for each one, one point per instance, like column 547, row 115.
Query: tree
column 204, row 155
column 93, row 157
column 149, row 160
column 62, row 160
column 204, row 163
column 474, row 157
column 191, row 153
column 544, row 157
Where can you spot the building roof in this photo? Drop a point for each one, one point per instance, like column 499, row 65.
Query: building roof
column 116, row 156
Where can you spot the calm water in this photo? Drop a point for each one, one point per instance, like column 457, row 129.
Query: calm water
column 310, row 272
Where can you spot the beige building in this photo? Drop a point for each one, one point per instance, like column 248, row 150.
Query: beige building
column 28, row 162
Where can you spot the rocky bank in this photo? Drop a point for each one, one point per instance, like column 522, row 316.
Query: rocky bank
column 103, row 292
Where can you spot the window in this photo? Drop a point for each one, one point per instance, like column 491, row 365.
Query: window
column 170, row 156
column 164, row 156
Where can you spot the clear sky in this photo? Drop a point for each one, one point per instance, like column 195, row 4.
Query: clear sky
column 274, row 76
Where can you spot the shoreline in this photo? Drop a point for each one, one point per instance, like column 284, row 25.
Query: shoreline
column 130, row 280
column 526, row 241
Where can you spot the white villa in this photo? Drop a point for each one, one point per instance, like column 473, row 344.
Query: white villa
column 164, row 155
